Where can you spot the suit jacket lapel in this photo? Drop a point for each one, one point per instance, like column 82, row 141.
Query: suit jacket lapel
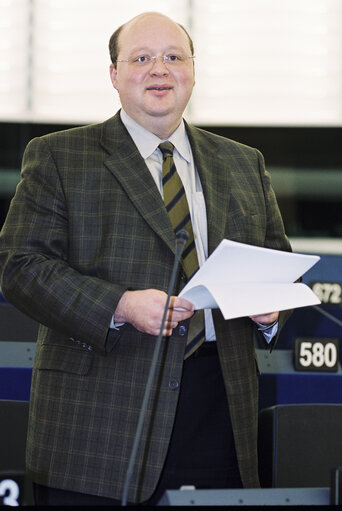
column 212, row 169
column 129, row 168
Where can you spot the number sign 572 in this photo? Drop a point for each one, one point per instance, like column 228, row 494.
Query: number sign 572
column 328, row 292
column 316, row 354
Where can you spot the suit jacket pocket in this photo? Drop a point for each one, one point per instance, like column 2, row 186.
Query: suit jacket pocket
column 64, row 359
column 247, row 228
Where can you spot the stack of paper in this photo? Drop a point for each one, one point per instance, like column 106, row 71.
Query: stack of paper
column 244, row 280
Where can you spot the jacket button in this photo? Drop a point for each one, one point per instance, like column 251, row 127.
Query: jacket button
column 182, row 330
column 173, row 384
column 183, row 277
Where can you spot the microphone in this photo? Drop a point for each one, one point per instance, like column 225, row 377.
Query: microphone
column 181, row 239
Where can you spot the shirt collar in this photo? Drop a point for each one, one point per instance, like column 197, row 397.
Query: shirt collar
column 147, row 142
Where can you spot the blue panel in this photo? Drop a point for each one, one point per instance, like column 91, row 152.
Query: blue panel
column 299, row 388
column 328, row 268
column 306, row 321
column 305, row 388
column 15, row 383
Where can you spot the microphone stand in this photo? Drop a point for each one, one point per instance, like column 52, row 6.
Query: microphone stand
column 181, row 239
column 329, row 316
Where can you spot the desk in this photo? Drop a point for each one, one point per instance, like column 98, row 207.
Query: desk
column 16, row 359
column 280, row 384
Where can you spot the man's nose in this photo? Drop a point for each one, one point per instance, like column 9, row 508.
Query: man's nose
column 158, row 65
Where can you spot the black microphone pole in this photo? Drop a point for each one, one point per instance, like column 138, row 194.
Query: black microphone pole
column 326, row 314
column 181, row 239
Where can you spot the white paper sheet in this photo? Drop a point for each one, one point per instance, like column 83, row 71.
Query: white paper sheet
column 243, row 280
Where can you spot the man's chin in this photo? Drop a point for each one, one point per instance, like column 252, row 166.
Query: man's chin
column 160, row 111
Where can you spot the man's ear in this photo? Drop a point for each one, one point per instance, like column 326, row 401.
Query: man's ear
column 113, row 75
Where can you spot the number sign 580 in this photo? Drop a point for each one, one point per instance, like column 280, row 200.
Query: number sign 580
column 316, row 354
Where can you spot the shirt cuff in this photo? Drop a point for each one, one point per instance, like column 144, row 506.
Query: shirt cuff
column 268, row 331
column 115, row 326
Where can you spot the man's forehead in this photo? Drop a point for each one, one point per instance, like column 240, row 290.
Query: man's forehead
column 142, row 24
column 147, row 18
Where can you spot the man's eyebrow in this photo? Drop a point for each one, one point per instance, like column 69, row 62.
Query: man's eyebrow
column 148, row 50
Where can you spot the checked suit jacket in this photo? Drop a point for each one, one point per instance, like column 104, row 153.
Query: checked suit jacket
column 87, row 223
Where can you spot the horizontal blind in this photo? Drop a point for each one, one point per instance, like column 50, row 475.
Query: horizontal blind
column 268, row 62
column 71, row 59
column 15, row 62
column 258, row 62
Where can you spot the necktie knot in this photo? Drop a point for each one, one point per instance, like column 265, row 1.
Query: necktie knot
column 166, row 149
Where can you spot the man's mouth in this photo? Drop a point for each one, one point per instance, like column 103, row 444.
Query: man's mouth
column 159, row 88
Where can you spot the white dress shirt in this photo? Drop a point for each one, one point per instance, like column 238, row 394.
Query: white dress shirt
column 147, row 144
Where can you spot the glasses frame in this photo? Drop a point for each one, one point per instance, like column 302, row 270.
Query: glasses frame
column 165, row 59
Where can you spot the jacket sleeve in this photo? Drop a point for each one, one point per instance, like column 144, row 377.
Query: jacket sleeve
column 275, row 236
column 35, row 273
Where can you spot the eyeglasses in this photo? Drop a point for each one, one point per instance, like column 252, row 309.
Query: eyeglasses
column 146, row 60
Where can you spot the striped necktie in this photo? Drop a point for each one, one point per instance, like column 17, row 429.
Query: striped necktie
column 178, row 210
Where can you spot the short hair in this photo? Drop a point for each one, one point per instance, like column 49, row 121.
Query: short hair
column 114, row 43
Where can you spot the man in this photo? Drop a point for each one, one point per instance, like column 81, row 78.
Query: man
column 87, row 250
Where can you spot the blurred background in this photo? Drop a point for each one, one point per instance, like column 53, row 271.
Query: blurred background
column 268, row 74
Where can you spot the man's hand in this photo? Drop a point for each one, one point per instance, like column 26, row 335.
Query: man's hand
column 266, row 319
column 144, row 310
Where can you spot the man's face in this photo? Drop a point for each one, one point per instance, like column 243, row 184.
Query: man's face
column 154, row 95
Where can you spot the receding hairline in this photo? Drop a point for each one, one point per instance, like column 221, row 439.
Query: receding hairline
column 150, row 14
column 114, row 40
